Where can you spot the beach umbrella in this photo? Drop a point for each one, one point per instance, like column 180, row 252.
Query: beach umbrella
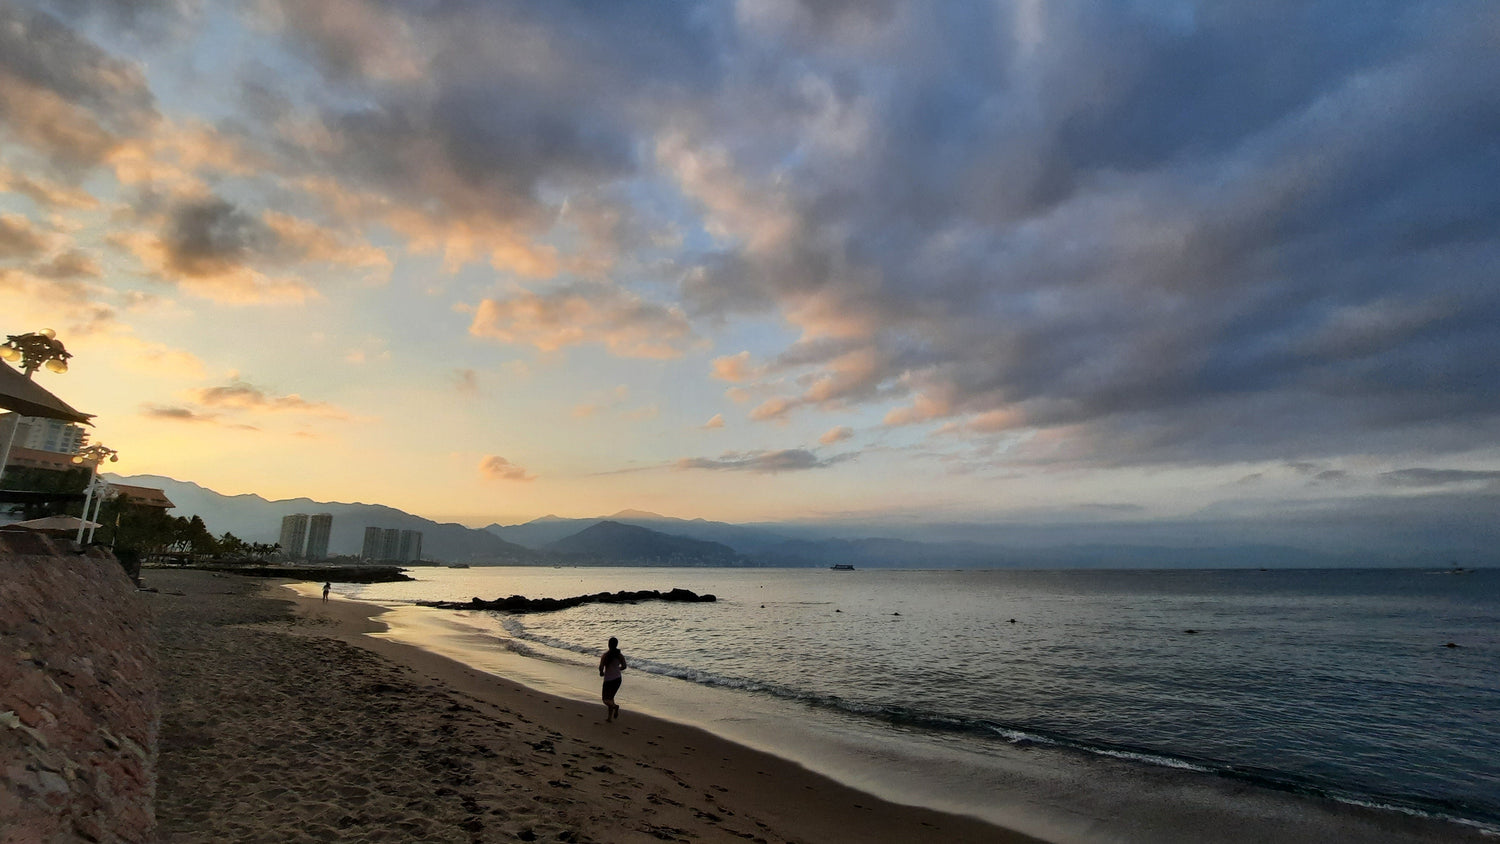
column 55, row 523
column 28, row 398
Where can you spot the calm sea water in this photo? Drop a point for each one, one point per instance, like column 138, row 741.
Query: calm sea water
column 1332, row 683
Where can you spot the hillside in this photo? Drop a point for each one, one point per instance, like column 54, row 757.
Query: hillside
column 255, row 519
column 613, row 542
column 539, row 533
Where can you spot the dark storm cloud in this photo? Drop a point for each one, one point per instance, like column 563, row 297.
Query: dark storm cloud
column 211, row 237
column 1185, row 232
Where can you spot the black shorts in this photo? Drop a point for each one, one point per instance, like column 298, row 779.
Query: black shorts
column 610, row 687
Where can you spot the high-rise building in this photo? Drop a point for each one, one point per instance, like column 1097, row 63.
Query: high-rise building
column 294, row 536
column 318, row 529
column 371, row 548
column 52, row 435
column 390, row 544
column 410, row 550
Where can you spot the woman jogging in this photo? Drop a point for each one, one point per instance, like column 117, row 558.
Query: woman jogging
column 610, row 666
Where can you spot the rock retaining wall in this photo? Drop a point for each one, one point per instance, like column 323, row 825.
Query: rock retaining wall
column 79, row 706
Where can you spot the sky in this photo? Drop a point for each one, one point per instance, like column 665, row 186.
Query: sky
column 769, row 259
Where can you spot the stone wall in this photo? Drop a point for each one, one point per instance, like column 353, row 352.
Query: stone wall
column 79, row 707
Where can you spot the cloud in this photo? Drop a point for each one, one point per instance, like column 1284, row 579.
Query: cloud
column 1122, row 234
column 1421, row 477
column 178, row 414
column 146, row 357
column 215, row 248
column 765, row 462
column 715, row 423
column 735, row 368
column 44, row 192
column 616, row 397
column 499, row 469
column 1180, row 265
column 63, row 96
column 191, row 416
column 71, row 264
column 19, row 239
column 836, row 435
column 239, row 395
column 619, row 320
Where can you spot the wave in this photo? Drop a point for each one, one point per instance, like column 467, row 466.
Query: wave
column 1024, row 736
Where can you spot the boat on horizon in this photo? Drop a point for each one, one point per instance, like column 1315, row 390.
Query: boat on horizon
column 842, row 567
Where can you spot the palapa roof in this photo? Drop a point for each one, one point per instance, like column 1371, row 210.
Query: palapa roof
column 28, row 398
column 144, row 495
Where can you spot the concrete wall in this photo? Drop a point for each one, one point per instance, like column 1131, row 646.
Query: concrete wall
column 79, row 708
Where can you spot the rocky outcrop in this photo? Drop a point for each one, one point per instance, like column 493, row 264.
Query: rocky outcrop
column 522, row 604
column 78, row 697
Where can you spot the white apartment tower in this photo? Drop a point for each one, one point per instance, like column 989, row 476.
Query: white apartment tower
column 411, row 546
column 294, row 536
column 318, row 529
column 52, row 435
column 392, row 545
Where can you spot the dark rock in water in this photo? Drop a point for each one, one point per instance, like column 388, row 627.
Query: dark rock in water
column 1190, row 632
column 523, row 604
column 1451, row 645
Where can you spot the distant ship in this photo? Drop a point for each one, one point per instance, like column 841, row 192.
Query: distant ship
column 458, row 565
column 842, row 567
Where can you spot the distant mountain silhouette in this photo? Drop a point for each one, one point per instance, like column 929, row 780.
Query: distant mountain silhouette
column 613, row 542
column 539, row 533
column 255, row 519
column 635, row 537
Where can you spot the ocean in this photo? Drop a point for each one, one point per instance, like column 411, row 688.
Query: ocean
column 1062, row 703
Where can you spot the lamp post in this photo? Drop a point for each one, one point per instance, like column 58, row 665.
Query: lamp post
column 92, row 455
column 34, row 350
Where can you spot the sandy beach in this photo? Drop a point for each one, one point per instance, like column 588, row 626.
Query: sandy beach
column 282, row 722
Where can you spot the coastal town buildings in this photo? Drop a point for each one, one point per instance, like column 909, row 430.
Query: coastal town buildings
column 41, row 443
column 305, row 536
column 393, row 544
column 52, row 435
column 319, row 526
column 370, row 550
column 142, row 496
column 293, row 535
column 410, row 549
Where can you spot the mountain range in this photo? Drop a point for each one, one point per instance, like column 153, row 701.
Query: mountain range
column 633, row 537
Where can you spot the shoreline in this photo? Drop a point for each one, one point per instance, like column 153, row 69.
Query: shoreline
column 389, row 742
column 1053, row 794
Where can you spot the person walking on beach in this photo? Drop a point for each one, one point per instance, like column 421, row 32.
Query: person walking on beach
column 326, row 586
column 610, row 666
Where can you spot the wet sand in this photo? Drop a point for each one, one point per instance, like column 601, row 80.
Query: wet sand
column 282, row 722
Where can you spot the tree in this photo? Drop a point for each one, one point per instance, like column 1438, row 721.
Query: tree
column 232, row 546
